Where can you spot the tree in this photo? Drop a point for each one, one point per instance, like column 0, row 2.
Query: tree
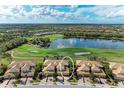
column 38, row 68
column 55, row 74
column 40, row 41
column 3, row 69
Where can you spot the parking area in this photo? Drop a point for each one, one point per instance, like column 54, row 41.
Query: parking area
column 49, row 81
column 4, row 84
column 43, row 81
column 29, row 81
column 66, row 82
column 99, row 82
column 83, row 81
column 60, row 81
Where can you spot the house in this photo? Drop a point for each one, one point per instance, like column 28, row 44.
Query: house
column 84, row 68
column 26, row 68
column 12, row 71
column 96, row 67
column 49, row 67
column 118, row 70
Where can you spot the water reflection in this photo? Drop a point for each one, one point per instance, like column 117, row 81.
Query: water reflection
column 90, row 43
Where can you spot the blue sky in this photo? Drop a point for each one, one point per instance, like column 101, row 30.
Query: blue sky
column 61, row 14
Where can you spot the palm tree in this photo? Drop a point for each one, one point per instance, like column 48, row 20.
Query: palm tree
column 55, row 74
column 92, row 76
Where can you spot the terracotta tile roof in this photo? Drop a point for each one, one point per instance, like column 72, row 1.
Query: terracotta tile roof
column 49, row 65
column 16, row 66
column 118, row 69
column 84, row 66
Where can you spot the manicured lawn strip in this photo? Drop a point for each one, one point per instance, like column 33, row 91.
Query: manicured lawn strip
column 30, row 52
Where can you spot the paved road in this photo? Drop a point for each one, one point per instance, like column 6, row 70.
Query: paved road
column 56, row 86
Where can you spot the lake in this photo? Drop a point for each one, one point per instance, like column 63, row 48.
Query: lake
column 87, row 43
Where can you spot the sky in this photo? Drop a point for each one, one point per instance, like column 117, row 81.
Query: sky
column 62, row 14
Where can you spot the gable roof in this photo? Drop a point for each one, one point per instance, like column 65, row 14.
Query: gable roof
column 49, row 65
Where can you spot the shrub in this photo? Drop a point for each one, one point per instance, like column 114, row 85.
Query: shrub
column 96, row 58
column 38, row 68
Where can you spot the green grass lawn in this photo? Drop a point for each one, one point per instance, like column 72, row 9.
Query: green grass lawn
column 29, row 52
column 51, row 37
column 54, row 36
column 5, row 61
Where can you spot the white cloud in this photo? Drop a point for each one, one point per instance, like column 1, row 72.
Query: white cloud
column 15, row 12
column 12, row 11
column 108, row 11
column 104, row 11
column 50, row 13
column 47, row 12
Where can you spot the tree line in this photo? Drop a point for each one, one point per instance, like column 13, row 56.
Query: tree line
column 11, row 44
column 40, row 41
column 102, row 35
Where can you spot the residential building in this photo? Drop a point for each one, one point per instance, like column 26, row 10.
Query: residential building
column 26, row 68
column 49, row 67
column 84, row 67
column 118, row 71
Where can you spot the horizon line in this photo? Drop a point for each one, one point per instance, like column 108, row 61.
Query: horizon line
column 69, row 23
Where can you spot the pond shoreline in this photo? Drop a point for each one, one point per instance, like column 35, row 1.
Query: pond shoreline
column 115, row 39
column 87, row 43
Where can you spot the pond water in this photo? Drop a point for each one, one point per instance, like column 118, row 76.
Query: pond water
column 87, row 43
